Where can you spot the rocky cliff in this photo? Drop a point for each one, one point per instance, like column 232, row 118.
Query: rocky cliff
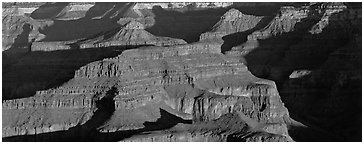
column 306, row 58
column 16, row 21
column 331, row 87
column 231, row 22
column 289, row 74
column 291, row 31
column 132, row 33
column 195, row 82
column 29, row 22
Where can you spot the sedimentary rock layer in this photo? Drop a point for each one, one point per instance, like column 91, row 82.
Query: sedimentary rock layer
column 145, row 80
column 232, row 21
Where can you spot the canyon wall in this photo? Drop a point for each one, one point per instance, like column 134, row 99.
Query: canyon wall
column 181, row 72
column 193, row 81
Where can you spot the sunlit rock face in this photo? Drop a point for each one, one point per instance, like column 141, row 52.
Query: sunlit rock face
column 181, row 72
column 181, row 79
column 74, row 11
column 231, row 22
column 16, row 20
column 173, row 5
column 32, row 19
column 132, row 33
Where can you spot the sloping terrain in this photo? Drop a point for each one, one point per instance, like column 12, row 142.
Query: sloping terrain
column 182, row 72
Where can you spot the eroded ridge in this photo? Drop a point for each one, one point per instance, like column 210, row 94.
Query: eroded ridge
column 193, row 81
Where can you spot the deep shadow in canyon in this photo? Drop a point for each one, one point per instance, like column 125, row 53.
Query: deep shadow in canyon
column 36, row 71
column 21, row 44
column 48, row 10
column 276, row 58
column 63, row 30
column 89, row 133
column 32, row 71
column 190, row 24
column 239, row 38
column 75, row 29
column 184, row 25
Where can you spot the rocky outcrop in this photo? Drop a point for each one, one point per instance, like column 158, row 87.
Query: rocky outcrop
column 262, row 105
column 284, row 22
column 231, row 22
column 25, row 23
column 50, row 46
column 16, row 22
column 299, row 73
column 41, row 15
column 289, row 32
column 175, row 5
column 74, row 11
column 324, row 21
column 132, row 33
column 27, row 19
column 292, row 19
column 176, row 78
column 173, row 91
column 302, row 62
column 229, row 127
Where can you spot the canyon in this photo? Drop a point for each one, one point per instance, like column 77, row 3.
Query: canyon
column 177, row 72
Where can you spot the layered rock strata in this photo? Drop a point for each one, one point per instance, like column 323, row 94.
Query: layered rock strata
column 145, row 94
column 132, row 33
column 16, row 21
column 192, row 81
column 232, row 21
column 229, row 127
column 289, row 31
column 174, row 5
column 18, row 15
column 74, row 11
column 40, row 17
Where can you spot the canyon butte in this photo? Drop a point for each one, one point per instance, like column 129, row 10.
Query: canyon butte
column 181, row 71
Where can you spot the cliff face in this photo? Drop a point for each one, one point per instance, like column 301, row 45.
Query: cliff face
column 25, row 23
column 229, row 127
column 313, row 63
column 192, row 81
column 332, row 87
column 130, row 34
column 19, row 29
column 174, row 5
column 74, row 11
column 29, row 22
column 127, row 81
column 232, row 21
column 291, row 31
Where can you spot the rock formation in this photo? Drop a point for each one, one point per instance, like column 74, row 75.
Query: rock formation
column 16, row 21
column 290, row 32
column 290, row 76
column 332, row 87
column 39, row 16
column 195, row 82
column 232, row 21
column 132, row 33
column 175, row 5
column 312, row 45
column 74, row 11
